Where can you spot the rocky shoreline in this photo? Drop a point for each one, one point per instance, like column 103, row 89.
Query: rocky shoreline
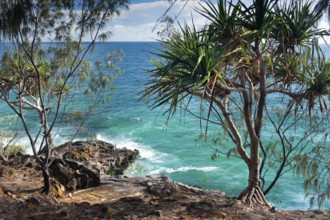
column 83, row 189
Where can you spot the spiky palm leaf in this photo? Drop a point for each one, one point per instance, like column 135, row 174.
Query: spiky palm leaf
column 317, row 81
column 253, row 51
column 223, row 25
column 295, row 25
column 188, row 61
column 258, row 16
column 322, row 6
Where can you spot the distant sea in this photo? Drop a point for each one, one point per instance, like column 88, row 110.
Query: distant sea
column 128, row 122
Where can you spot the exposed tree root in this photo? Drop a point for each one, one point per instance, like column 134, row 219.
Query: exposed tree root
column 253, row 196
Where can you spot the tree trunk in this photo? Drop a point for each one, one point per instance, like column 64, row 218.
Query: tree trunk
column 253, row 194
column 254, row 174
column 45, row 174
column 47, row 137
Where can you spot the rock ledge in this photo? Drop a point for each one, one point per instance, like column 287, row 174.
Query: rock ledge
column 115, row 197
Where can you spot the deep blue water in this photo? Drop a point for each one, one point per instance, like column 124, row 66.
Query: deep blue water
column 172, row 150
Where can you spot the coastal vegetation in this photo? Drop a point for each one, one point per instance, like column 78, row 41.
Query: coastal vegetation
column 256, row 71
column 38, row 81
column 251, row 67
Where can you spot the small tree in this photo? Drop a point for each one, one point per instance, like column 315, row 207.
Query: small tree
column 245, row 58
column 39, row 77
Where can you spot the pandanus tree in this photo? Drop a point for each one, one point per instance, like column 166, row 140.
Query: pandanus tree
column 36, row 78
column 244, row 57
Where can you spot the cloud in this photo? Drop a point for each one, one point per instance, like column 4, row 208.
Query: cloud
column 324, row 24
column 138, row 22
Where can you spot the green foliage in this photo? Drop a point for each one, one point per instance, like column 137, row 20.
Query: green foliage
column 44, row 77
column 111, row 171
column 9, row 139
column 11, row 149
column 103, row 74
column 187, row 56
column 8, row 145
column 245, row 57
column 314, row 165
column 75, row 115
column 18, row 70
column 322, row 7
column 223, row 21
column 39, row 77
column 13, row 14
column 295, row 24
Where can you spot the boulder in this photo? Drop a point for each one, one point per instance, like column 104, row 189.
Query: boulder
column 79, row 165
column 74, row 165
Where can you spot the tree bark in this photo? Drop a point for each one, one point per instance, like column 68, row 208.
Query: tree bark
column 253, row 194
column 46, row 176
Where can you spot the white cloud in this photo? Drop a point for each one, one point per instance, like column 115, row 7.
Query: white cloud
column 324, row 24
column 137, row 23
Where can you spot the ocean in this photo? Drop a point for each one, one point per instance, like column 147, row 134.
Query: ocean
column 172, row 150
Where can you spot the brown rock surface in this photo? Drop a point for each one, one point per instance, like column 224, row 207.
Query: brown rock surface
column 121, row 197
column 78, row 165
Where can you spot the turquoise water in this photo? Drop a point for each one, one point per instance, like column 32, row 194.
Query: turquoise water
column 127, row 122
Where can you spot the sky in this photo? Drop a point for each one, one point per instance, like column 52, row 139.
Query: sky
column 138, row 22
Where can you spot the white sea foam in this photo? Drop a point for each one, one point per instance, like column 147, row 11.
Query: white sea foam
column 24, row 141
column 185, row 169
column 294, row 198
column 146, row 152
